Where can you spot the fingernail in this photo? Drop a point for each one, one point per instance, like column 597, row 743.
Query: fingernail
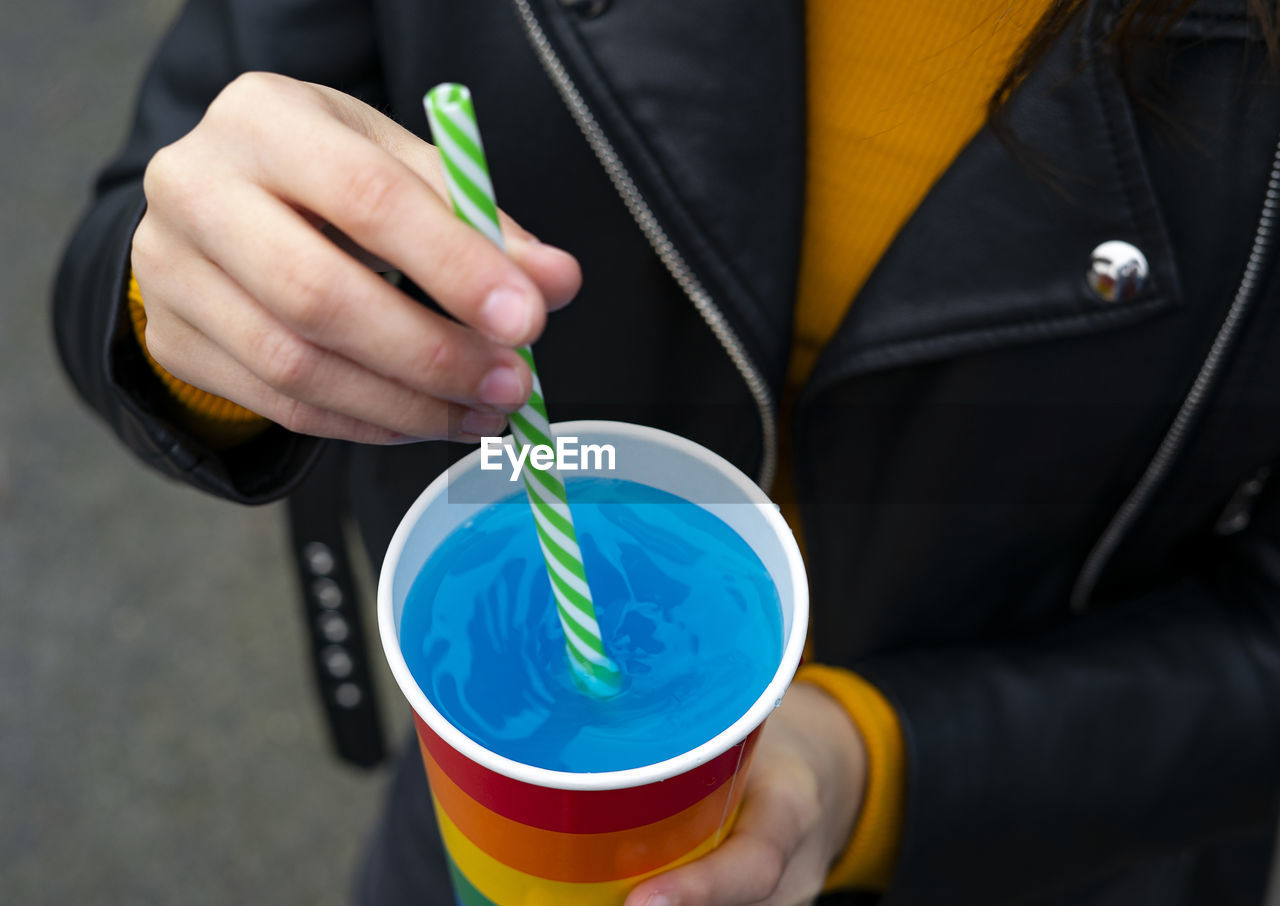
column 507, row 314
column 482, row 424
column 502, row 387
column 658, row 899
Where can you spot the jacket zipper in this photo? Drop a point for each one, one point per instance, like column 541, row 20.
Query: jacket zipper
column 662, row 245
column 1175, row 438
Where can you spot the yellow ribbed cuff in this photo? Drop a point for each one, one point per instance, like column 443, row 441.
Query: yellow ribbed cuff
column 867, row 862
column 217, row 421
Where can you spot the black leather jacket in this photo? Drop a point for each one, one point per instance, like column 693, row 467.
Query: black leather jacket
column 1038, row 521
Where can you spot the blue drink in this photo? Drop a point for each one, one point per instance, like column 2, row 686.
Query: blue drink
column 686, row 608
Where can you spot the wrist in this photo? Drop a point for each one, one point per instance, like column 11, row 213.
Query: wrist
column 867, row 861
column 839, row 755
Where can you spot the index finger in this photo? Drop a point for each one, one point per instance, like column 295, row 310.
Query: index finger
column 392, row 212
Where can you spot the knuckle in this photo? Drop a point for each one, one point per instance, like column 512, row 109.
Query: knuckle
column 369, row 196
column 251, row 109
column 286, row 363
column 245, row 92
column 176, row 186
column 165, row 176
column 307, row 297
column 436, row 365
column 255, row 82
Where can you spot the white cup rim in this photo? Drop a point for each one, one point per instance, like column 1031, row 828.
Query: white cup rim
column 769, row 699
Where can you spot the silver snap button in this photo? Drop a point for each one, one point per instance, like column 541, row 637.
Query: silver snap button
column 1117, row 271
column 327, row 592
column 319, row 558
column 333, row 627
column 347, row 695
column 337, row 661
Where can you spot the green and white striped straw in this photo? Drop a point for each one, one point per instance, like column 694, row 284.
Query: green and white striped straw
column 453, row 126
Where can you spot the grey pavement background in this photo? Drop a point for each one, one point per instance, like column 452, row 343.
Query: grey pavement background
column 158, row 738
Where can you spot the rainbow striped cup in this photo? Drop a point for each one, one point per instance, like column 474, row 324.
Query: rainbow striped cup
column 518, row 835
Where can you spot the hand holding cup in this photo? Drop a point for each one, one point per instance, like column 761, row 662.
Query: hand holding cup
column 803, row 796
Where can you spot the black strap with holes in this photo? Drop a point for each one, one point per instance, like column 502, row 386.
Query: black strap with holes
column 331, row 611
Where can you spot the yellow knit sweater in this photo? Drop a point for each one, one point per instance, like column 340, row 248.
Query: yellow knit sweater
column 896, row 90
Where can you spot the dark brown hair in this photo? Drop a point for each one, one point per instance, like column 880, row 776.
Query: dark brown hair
column 1139, row 24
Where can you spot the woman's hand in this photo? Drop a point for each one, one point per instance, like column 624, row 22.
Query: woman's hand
column 802, row 797
column 248, row 296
